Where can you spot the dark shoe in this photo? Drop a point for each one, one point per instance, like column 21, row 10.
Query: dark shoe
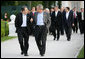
column 42, row 54
column 54, row 38
column 22, row 53
column 57, row 39
column 68, row 39
column 26, row 54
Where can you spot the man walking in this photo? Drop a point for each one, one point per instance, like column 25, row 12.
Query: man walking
column 56, row 22
column 22, row 22
column 68, row 22
column 42, row 22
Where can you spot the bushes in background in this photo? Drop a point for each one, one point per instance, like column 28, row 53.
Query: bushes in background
column 3, row 28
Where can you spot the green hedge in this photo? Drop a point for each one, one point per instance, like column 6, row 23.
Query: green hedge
column 3, row 28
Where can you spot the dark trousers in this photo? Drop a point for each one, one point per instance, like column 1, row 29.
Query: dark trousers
column 40, row 37
column 81, row 26
column 68, row 31
column 75, row 27
column 54, row 33
column 23, row 39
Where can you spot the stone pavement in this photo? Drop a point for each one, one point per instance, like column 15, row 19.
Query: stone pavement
column 54, row 49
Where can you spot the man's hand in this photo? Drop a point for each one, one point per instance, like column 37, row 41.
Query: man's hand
column 31, row 20
column 73, row 24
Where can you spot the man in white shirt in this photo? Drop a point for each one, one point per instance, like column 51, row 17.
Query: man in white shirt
column 68, row 23
column 22, row 22
column 75, row 17
column 56, row 22
column 81, row 21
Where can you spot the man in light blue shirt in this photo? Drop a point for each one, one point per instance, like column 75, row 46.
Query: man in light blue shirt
column 41, row 22
column 40, row 19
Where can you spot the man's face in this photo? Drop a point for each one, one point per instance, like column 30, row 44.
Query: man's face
column 74, row 9
column 38, row 10
column 82, row 10
column 56, row 8
column 62, row 9
column 25, row 11
column 66, row 9
column 33, row 9
column 52, row 10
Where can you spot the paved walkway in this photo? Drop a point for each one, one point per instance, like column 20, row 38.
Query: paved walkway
column 54, row 49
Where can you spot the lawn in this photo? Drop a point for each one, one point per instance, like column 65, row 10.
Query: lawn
column 81, row 54
column 5, row 38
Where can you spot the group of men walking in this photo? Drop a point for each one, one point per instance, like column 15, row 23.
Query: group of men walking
column 39, row 23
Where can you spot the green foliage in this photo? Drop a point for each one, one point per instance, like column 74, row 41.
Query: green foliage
column 81, row 54
column 3, row 28
column 7, row 38
column 59, row 4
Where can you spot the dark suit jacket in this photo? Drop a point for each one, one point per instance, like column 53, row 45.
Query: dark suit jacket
column 79, row 17
column 68, row 22
column 57, row 20
column 19, row 21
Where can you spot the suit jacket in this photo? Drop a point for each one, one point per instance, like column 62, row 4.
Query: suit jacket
column 79, row 17
column 57, row 20
column 19, row 21
column 68, row 22
column 76, row 19
column 46, row 19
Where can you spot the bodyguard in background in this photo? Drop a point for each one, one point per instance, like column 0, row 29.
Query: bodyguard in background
column 81, row 21
column 22, row 22
column 68, row 23
column 56, row 22
column 75, row 17
column 32, row 24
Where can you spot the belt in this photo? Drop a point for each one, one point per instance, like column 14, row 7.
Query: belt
column 40, row 25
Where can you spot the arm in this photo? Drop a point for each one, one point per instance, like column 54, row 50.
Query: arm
column 48, row 20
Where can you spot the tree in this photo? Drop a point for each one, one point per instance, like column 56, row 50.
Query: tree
column 59, row 4
column 48, row 4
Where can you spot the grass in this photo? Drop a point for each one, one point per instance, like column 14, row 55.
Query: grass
column 5, row 38
column 81, row 54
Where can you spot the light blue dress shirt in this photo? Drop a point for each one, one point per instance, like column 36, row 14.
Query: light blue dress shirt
column 40, row 19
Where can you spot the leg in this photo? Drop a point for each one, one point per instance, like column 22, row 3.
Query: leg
column 20, row 39
column 58, row 34
column 43, row 38
column 26, row 44
column 54, row 33
column 68, row 32
column 37, row 38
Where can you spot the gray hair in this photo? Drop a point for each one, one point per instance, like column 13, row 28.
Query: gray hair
column 40, row 6
column 23, row 8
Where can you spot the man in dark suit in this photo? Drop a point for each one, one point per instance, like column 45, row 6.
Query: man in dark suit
column 32, row 24
column 75, row 17
column 50, row 28
column 22, row 22
column 42, row 22
column 68, row 22
column 63, row 12
column 56, row 22
column 81, row 21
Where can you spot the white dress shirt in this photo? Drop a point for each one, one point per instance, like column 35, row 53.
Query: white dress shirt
column 24, row 24
column 67, row 15
column 82, row 14
column 56, row 12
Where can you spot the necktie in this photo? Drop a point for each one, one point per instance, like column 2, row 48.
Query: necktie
column 74, row 15
column 33, row 13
